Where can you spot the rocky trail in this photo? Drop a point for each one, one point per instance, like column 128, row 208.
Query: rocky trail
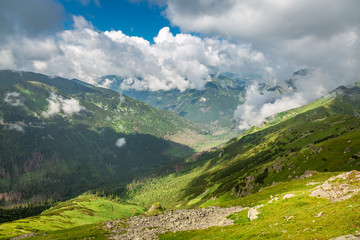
column 149, row 227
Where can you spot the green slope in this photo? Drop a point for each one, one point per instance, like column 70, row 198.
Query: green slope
column 63, row 154
column 323, row 136
column 83, row 210
column 278, row 166
column 297, row 216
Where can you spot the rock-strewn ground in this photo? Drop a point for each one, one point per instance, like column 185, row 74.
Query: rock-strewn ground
column 338, row 188
column 149, row 227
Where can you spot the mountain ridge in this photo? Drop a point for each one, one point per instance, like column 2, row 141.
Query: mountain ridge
column 296, row 176
column 59, row 138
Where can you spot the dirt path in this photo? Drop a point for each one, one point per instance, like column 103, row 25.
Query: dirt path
column 149, row 227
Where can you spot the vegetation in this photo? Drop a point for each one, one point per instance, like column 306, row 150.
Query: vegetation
column 298, row 217
column 321, row 139
column 12, row 213
column 84, row 211
column 274, row 167
column 58, row 138
column 211, row 108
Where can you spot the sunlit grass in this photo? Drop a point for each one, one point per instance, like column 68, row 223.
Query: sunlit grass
column 83, row 210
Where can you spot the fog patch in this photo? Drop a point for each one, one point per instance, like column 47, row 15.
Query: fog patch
column 261, row 104
column 13, row 99
column 120, row 142
column 17, row 126
column 58, row 104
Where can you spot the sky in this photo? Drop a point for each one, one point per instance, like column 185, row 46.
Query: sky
column 180, row 44
column 133, row 19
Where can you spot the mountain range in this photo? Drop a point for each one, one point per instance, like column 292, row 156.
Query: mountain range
column 295, row 177
column 212, row 108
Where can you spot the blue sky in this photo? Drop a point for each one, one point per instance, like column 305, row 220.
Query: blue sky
column 133, row 19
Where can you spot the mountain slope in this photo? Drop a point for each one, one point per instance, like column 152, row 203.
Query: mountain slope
column 59, row 138
column 212, row 108
column 285, row 175
column 82, row 210
column 322, row 136
column 290, row 210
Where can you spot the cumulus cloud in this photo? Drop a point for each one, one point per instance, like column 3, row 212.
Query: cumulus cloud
column 58, row 104
column 13, row 99
column 261, row 104
column 266, row 40
column 322, row 35
column 179, row 61
column 264, row 20
column 120, row 142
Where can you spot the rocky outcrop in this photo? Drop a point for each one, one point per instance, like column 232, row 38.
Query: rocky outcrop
column 253, row 212
column 338, row 188
column 347, row 237
column 149, row 227
column 289, row 195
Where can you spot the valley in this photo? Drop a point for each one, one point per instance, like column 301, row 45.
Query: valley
column 116, row 168
column 179, row 120
column 60, row 138
column 211, row 108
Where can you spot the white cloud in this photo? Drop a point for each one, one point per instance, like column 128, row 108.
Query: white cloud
column 164, row 36
column 181, row 61
column 264, row 20
column 13, row 98
column 40, row 66
column 71, row 106
column 6, row 59
column 262, row 38
column 323, row 34
column 120, row 142
column 260, row 105
column 57, row 103
column 105, row 84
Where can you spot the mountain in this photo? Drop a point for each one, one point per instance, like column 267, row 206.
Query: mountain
column 211, row 108
column 59, row 138
column 322, row 136
column 296, row 177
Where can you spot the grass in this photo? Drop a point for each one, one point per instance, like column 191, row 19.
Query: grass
column 322, row 137
column 167, row 190
column 90, row 231
column 83, row 210
column 299, row 217
column 316, row 137
column 229, row 167
column 265, row 194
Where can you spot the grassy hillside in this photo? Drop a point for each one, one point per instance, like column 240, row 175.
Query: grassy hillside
column 286, row 211
column 323, row 137
column 286, row 174
column 59, row 138
column 83, row 212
